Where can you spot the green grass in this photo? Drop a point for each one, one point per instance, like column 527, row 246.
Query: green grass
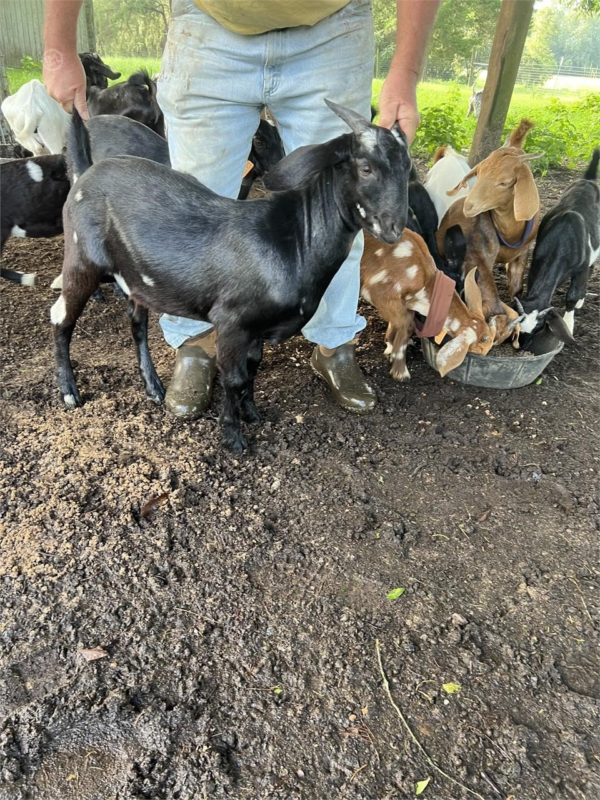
column 126, row 66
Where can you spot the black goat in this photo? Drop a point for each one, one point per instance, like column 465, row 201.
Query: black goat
column 32, row 194
column 424, row 212
column 134, row 98
column 567, row 245
column 267, row 151
column 257, row 271
column 96, row 71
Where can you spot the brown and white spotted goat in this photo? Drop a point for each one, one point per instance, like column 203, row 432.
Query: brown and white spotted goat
column 398, row 280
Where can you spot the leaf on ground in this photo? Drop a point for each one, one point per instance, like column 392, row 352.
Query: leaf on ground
column 420, row 786
column 485, row 515
column 395, row 593
column 94, row 653
column 451, row 688
column 153, row 504
column 277, row 690
column 539, row 381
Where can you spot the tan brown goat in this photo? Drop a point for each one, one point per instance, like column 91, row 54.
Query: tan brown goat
column 398, row 280
column 500, row 218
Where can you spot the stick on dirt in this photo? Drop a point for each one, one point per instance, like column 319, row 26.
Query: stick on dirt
column 428, row 758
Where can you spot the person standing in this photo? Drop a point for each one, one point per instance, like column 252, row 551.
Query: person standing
column 224, row 61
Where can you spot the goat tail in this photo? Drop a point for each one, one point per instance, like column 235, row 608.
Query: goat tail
column 518, row 136
column 591, row 173
column 142, row 78
column 78, row 147
column 440, row 153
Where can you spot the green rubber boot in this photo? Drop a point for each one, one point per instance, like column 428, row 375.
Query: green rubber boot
column 342, row 374
column 190, row 390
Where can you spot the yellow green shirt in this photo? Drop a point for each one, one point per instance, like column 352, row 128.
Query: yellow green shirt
column 249, row 17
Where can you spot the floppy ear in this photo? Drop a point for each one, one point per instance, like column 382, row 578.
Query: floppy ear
column 108, row 73
column 473, row 299
column 559, row 327
column 307, row 161
column 463, row 183
column 527, row 200
column 452, row 355
column 353, row 120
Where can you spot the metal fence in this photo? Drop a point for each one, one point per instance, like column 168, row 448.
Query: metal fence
column 21, row 23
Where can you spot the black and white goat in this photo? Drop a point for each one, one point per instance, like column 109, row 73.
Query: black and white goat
column 32, row 195
column 96, row 71
column 134, row 98
column 267, row 151
column 567, row 246
column 257, row 271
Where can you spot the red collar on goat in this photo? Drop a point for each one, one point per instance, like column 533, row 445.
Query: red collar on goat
column 439, row 305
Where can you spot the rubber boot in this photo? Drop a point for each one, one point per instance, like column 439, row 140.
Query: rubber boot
column 190, row 390
column 342, row 374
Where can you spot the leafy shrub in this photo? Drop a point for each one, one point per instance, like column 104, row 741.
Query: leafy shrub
column 27, row 62
column 443, row 124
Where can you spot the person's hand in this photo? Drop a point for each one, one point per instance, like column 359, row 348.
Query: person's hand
column 398, row 102
column 64, row 79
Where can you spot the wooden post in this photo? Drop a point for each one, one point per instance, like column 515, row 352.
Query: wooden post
column 90, row 26
column 509, row 40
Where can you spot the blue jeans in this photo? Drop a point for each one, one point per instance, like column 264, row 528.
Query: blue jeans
column 212, row 86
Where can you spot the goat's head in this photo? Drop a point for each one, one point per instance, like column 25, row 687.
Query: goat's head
column 504, row 181
column 477, row 337
column 96, row 71
column 267, row 147
column 534, row 321
column 377, row 193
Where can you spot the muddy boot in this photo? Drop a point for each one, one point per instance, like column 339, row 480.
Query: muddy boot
column 191, row 386
column 339, row 370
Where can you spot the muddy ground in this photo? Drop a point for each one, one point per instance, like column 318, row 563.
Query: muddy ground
column 239, row 621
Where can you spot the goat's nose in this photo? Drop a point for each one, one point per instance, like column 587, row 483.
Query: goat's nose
column 397, row 228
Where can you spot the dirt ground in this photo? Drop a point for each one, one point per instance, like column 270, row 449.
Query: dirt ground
column 238, row 622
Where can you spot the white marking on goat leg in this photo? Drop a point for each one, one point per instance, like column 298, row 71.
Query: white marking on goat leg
column 75, row 237
column 530, row 321
column 579, row 303
column 149, row 282
column 594, row 253
column 16, row 231
column 388, row 348
column 35, row 171
column 69, row 401
column 569, row 319
column 403, row 250
column 58, row 312
column 365, row 294
column 57, row 283
column 379, row 277
column 411, row 272
column 121, row 281
column 361, row 210
column 79, row 196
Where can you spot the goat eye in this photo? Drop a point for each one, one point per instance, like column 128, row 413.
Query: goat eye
column 365, row 169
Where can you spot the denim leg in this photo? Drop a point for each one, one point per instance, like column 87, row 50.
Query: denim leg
column 210, row 90
column 334, row 60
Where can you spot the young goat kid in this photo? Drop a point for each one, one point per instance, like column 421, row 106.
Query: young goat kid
column 398, row 279
column 267, row 151
column 567, row 246
column 449, row 168
column 134, row 98
column 256, row 270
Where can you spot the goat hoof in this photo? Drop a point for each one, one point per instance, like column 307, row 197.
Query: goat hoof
column 234, row 442
column 156, row 391
column 250, row 413
column 98, row 296
column 72, row 399
column 400, row 375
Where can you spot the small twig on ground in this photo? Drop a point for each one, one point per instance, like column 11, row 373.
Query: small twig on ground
column 408, row 729
column 356, row 771
column 573, row 581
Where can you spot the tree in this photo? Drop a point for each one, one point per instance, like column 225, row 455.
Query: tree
column 132, row 28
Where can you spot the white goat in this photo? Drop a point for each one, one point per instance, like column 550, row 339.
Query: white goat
column 37, row 120
column 449, row 168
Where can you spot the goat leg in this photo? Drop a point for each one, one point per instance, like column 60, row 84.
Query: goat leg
column 255, row 354
column 139, row 330
column 232, row 360
column 515, row 271
column 404, row 329
column 64, row 315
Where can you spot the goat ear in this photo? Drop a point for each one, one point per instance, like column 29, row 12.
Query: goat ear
column 559, row 327
column 463, row 184
column 452, row 355
column 307, row 161
column 473, row 297
column 527, row 200
column 354, row 121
